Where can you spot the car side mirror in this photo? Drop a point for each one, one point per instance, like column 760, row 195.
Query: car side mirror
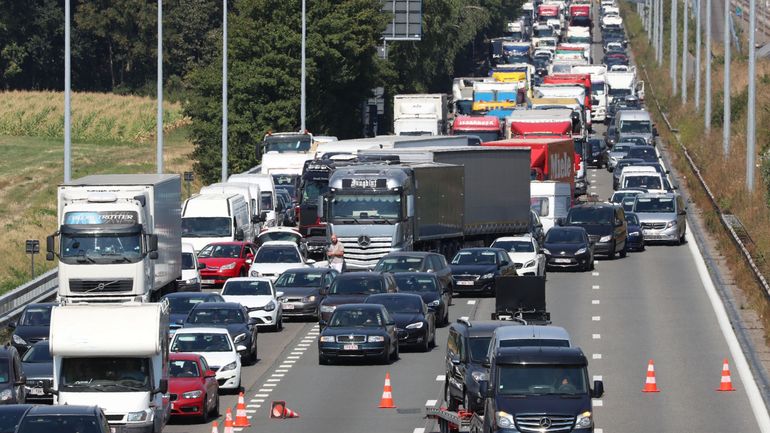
column 255, row 219
column 162, row 387
column 248, row 261
column 323, row 291
column 560, row 222
column 263, row 216
column 152, row 243
column 12, row 325
column 540, row 251
column 201, row 265
column 239, row 234
column 618, row 223
column 598, row 390
column 455, row 360
column 153, row 255
column 278, row 294
column 655, row 131
column 483, row 388
column 210, row 374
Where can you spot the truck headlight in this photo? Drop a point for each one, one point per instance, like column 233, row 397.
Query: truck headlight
column 254, row 273
column 228, row 267
column 238, row 338
column 270, row 306
column 504, row 420
column 416, row 325
column 230, row 366
column 6, row 395
column 671, row 224
column 328, row 308
column 605, row 238
column 192, row 394
column 326, row 339
column 488, row 276
column 478, row 376
column 19, row 340
column 141, row 416
column 375, row 339
column 584, row 420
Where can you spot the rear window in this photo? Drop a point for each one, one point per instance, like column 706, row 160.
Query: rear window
column 357, row 286
column 536, row 342
column 590, row 215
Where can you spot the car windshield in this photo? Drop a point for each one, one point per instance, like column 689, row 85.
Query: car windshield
column 647, row 182
column 654, row 205
column 60, row 424
column 183, row 368
column 38, row 353
column 279, row 236
column 357, row 286
column 217, row 251
column 479, row 346
column 533, row 380
column 277, row 254
column 183, row 305
column 216, row 316
column 475, row 257
column 590, row 215
column 525, row 246
column 200, row 227
column 201, row 343
column 357, row 318
column 188, row 261
column 105, row 374
column 635, row 126
column 399, row 304
column 399, row 264
column 619, row 197
column 641, row 152
column 632, row 219
column 247, row 288
column 413, row 283
column 287, row 143
column 300, row 279
column 36, row 316
column 564, row 236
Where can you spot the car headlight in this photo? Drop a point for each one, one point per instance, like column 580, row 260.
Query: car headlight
column 529, row 264
column 545, row 251
column 192, row 280
column 671, row 224
column 228, row 267
column 141, row 416
column 238, row 338
column 328, row 308
column 435, row 303
column 584, row 420
column 269, row 307
column 504, row 420
column 326, row 339
column 605, row 238
column 581, row 251
column 192, row 394
column 478, row 376
column 634, row 234
column 230, row 366
column 310, row 298
column 6, row 395
column 254, row 273
column 488, row 276
column 416, row 325
column 19, row 340
column 375, row 339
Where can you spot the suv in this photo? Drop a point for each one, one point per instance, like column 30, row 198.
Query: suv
column 418, row 261
column 353, row 288
column 606, row 226
column 466, row 353
column 663, row 217
column 12, row 379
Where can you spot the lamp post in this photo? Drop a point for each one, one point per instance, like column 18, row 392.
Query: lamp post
column 32, row 247
column 67, row 85
column 159, row 114
column 303, row 74
column 224, row 91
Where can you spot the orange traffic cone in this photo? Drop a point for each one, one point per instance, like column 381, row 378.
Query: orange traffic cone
column 726, row 384
column 288, row 413
column 650, row 385
column 387, row 395
column 215, row 427
column 241, row 420
column 228, row 421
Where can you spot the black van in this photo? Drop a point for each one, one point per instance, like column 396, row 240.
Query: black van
column 606, row 226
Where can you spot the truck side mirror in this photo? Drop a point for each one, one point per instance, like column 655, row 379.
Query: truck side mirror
column 49, row 248
column 263, row 216
column 162, row 387
column 598, row 390
column 239, row 234
column 152, row 243
column 256, row 219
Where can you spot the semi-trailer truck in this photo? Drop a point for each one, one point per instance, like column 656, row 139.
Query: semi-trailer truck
column 119, row 237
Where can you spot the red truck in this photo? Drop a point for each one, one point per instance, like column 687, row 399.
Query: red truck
column 551, row 158
column 547, row 11
column 485, row 127
column 539, row 123
column 580, row 15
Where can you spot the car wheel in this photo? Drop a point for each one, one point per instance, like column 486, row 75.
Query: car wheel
column 396, row 354
column 611, row 255
column 451, row 403
column 624, row 251
column 215, row 411
column 322, row 360
column 253, row 354
column 591, row 265
column 433, row 338
column 682, row 238
column 206, row 416
column 425, row 344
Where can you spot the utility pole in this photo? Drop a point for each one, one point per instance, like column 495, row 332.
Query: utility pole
column 224, row 91
column 750, row 125
column 697, row 52
column 707, row 90
column 159, row 115
column 685, row 37
column 67, row 105
column 674, row 43
column 726, row 91
column 303, row 94
column 660, row 32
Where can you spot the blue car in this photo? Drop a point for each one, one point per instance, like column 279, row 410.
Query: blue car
column 635, row 241
column 359, row 331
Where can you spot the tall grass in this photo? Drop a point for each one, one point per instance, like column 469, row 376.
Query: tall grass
column 96, row 117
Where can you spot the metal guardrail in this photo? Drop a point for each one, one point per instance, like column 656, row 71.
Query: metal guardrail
column 38, row 290
column 726, row 219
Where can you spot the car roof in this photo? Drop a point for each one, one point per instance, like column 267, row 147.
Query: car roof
column 42, row 304
column 478, row 328
column 359, row 274
column 218, row 305
column 248, row 279
column 524, row 237
column 241, row 243
column 565, row 228
column 278, row 244
column 596, row 204
column 535, row 355
column 408, row 254
column 183, row 356
column 521, row 332
column 359, row 306
column 8, row 351
column 657, row 195
column 392, row 295
column 307, row 270
column 188, row 294
column 67, row 409
column 281, row 229
column 15, row 408
column 481, row 249
column 399, row 275
column 201, row 330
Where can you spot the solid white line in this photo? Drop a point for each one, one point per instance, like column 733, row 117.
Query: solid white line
column 595, row 287
column 596, row 318
column 740, row 363
column 431, row 402
column 471, row 302
column 440, row 378
column 598, row 378
column 594, row 302
column 594, row 356
column 598, row 403
column 595, row 274
column 596, row 336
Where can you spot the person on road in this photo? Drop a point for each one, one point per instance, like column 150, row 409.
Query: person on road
column 336, row 254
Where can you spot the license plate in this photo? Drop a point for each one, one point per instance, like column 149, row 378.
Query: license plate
column 208, row 281
column 562, row 260
column 288, row 306
column 36, row 391
column 464, row 283
column 350, row 347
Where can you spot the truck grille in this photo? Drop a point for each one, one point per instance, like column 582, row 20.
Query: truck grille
column 363, row 253
column 351, row 338
column 101, row 286
column 532, row 423
column 654, row 226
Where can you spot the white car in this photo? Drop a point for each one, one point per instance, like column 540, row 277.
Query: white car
column 191, row 277
column 524, row 252
column 217, row 348
column 274, row 257
column 258, row 295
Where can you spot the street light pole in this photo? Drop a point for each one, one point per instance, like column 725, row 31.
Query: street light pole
column 159, row 114
column 726, row 90
column 674, row 43
column 707, row 90
column 697, row 53
column 67, row 105
column 224, row 91
column 750, row 125
column 685, row 37
column 303, row 94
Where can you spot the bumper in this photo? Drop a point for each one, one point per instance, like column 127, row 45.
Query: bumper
column 265, row 318
column 361, row 350
column 568, row 262
column 665, row 235
column 132, row 428
column 298, row 309
column 216, row 278
column 229, row 379
column 604, row 248
column 513, row 430
column 410, row 337
column 462, row 286
column 187, row 407
column 635, row 242
column 532, row 270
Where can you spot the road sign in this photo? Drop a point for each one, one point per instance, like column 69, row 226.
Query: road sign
column 406, row 22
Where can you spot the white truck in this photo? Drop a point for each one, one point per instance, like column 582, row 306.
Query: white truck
column 598, row 89
column 119, row 237
column 251, row 194
column 420, row 114
column 623, row 83
column 214, row 217
column 550, row 200
column 114, row 356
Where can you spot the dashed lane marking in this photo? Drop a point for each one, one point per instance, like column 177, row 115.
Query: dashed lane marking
column 471, row 302
column 595, row 274
column 594, row 302
column 282, row 370
column 265, row 390
column 598, row 403
column 596, row 318
column 273, row 380
column 596, row 336
column 440, row 378
column 270, row 385
column 419, row 430
column 464, row 318
column 598, row 378
column 262, row 395
column 596, row 356
column 595, row 287
column 431, row 403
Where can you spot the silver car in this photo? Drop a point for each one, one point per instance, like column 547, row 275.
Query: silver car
column 663, row 217
column 617, row 153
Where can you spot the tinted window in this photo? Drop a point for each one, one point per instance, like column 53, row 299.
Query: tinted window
column 277, row 254
column 183, row 368
column 632, row 219
column 201, row 343
column 188, row 261
column 9, row 418
column 279, row 236
column 475, row 257
column 648, row 182
column 529, row 342
column 300, row 279
column 357, row 286
column 183, row 305
column 564, row 236
column 220, row 251
column 218, row 316
column 399, row 264
column 538, row 380
column 247, row 288
column 479, row 348
column 590, row 215
column 37, row 353
column 351, row 318
column 60, row 424
column 399, row 304
column 36, row 316
column 653, row 205
column 413, row 283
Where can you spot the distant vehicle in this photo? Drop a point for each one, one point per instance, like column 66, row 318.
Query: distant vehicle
column 354, row 287
column 536, row 229
column 617, row 153
column 359, row 331
column 427, row 285
column 618, row 171
column 528, row 336
column 605, row 224
column 415, row 323
column 646, row 153
column 525, row 253
column 417, row 261
column 621, row 194
column 274, row 257
column 82, row 419
column 663, row 217
column 11, row 415
column 598, row 156
column 12, row 378
column 216, row 346
column 569, row 247
column 191, row 277
column 34, row 325
column 289, row 234
column 37, row 365
column 259, row 297
column 224, row 260
column 209, row 218
column 475, row 269
column 611, row 136
column 232, row 317
column 635, row 234
column 301, row 290
column 192, row 387
column 180, row 305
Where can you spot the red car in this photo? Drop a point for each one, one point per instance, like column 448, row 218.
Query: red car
column 224, row 260
column 193, row 387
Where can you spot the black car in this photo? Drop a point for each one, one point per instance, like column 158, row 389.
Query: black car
column 437, row 298
column 415, row 323
column 611, row 135
column 12, row 379
column 11, row 415
column 33, row 326
column 359, row 331
column 417, row 261
column 64, row 419
column 466, row 353
column 605, row 224
column 598, row 153
column 475, row 269
column 624, row 162
column 635, row 233
column 180, row 304
column 645, row 153
column 353, row 288
column 301, row 289
column 37, row 365
column 231, row 316
column 568, row 247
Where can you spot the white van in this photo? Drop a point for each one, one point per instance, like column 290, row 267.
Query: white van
column 267, row 198
column 651, row 181
column 550, row 200
column 250, row 193
column 191, row 277
column 208, row 218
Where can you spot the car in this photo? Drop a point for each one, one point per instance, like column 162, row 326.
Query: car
column 536, row 226
column 525, row 253
column 633, row 139
column 11, row 415
column 259, row 297
column 598, row 156
column 618, row 171
column 528, row 336
column 437, row 297
column 301, row 290
column 621, row 194
column 635, row 234
column 359, row 331
column 617, row 153
column 223, row 260
column 192, row 386
column 290, row 234
column 33, row 326
column 64, row 419
column 466, row 353
column 417, row 261
column 605, row 224
column 475, row 269
column 611, row 137
column 663, row 217
column 12, row 379
column 645, row 153
column 180, row 304
column 216, row 346
column 274, row 257
column 568, row 247
column 352, row 288
column 231, row 316
column 191, row 277
column 37, row 366
column 415, row 323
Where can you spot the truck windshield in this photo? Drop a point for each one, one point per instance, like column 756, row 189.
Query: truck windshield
column 312, row 189
column 200, row 227
column 619, row 92
column 532, row 380
column 105, row 374
column 291, row 143
column 579, row 39
column 101, row 248
column 543, row 32
column 636, row 127
column 358, row 207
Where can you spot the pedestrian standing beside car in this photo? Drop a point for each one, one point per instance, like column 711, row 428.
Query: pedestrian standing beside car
column 336, row 254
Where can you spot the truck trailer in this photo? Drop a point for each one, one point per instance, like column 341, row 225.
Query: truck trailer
column 551, row 158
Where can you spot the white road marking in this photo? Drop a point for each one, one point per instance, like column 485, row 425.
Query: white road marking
column 598, row 403
column 431, row 403
column 270, row 385
column 292, row 357
column 301, row 349
column 596, row 262
column 296, row 353
column 250, row 411
column 291, row 361
column 596, row 336
column 593, row 186
column 598, row 378
column 262, row 395
column 281, row 370
column 254, row 405
column 265, row 390
column 594, row 356
column 598, row 430
column 595, row 287
column 419, row 430
column 595, row 274
column 303, row 345
column 440, row 378
column 471, row 302
column 594, row 302
column 273, row 380
column 237, row 429
column 277, row 375
column 596, row 318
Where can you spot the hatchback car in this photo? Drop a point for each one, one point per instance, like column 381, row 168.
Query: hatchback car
column 216, row 346
column 353, row 288
column 192, row 386
column 301, row 288
column 525, row 253
column 475, row 269
column 231, row 316
column 64, row 419
column 34, row 325
column 598, row 156
column 180, row 304
column 605, row 224
column 617, row 153
column 359, row 331
column 569, row 247
column 223, row 260
column 663, row 217
column 417, row 261
column 37, row 365
column 415, row 323
column 274, row 257
column 645, row 153
column 259, row 297
column 635, row 235
column 425, row 284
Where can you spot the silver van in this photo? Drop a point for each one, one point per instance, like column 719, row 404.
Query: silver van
column 663, row 217
column 635, row 122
